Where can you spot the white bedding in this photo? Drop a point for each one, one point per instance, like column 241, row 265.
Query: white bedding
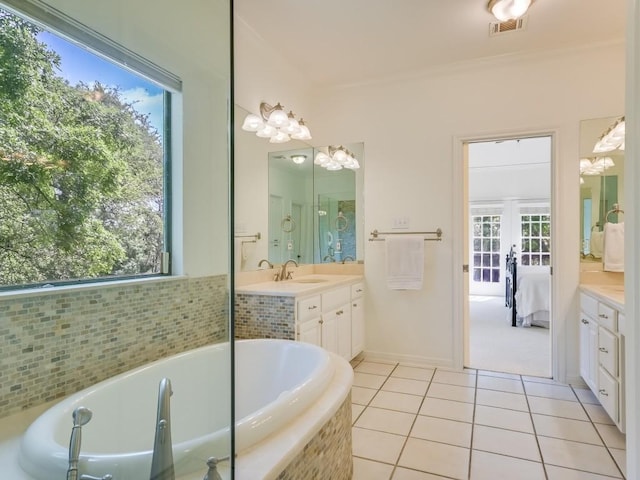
column 532, row 296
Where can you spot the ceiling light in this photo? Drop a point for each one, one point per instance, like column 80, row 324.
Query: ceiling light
column 505, row 10
column 298, row 159
column 276, row 125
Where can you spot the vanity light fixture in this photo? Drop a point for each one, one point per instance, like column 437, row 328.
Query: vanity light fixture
column 505, row 10
column 336, row 158
column 612, row 139
column 276, row 125
column 595, row 166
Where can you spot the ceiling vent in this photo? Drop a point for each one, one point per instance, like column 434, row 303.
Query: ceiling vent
column 508, row 26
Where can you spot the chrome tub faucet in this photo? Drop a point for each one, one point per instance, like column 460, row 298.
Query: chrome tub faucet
column 162, row 462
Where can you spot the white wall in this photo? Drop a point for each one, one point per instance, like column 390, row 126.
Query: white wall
column 193, row 45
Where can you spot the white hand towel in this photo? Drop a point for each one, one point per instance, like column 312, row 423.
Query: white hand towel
column 613, row 255
column 596, row 244
column 405, row 262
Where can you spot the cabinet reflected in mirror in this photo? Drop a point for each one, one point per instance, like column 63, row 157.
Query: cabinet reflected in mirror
column 601, row 187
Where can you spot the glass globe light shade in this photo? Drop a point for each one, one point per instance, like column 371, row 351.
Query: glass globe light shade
column 267, row 131
column 321, row 159
column 333, row 166
column 294, row 126
column 505, row 10
column 279, row 137
column 278, row 118
column 304, row 133
column 252, row 123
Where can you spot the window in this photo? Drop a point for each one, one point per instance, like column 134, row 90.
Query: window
column 536, row 239
column 84, row 159
column 486, row 248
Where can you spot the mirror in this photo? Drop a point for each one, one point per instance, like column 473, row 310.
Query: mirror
column 601, row 187
column 300, row 211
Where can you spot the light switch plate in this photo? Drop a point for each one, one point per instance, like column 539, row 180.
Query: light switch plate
column 400, row 223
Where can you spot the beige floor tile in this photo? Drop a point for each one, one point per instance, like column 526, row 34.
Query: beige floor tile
column 368, row 380
column 378, row 446
column 493, row 398
column 414, row 373
column 442, row 430
column 451, row 392
column 405, row 385
column 505, row 442
column 367, row 469
column 503, row 418
column 560, row 473
column 387, row 421
column 437, row 407
column 375, row 368
column 361, row 395
column 566, row 428
column 598, row 414
column 578, row 456
column 356, row 410
column 501, row 384
column 397, row 401
column 489, row 373
column 462, row 379
column 435, row 458
column 620, row 456
column 548, row 390
column 585, row 395
column 612, row 437
column 406, row 474
column 489, row 466
column 557, row 408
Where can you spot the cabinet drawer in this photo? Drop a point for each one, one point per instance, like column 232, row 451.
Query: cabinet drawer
column 334, row 298
column 357, row 290
column 607, row 317
column 608, row 393
column 589, row 305
column 608, row 351
column 309, row 308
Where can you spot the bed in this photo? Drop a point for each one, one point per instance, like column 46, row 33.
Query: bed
column 527, row 293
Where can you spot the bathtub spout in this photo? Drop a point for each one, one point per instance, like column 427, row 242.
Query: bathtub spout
column 162, row 461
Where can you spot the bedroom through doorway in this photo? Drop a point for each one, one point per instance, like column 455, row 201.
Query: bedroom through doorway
column 509, row 253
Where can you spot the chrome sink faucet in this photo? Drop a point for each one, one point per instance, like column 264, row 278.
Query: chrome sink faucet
column 284, row 275
column 264, row 260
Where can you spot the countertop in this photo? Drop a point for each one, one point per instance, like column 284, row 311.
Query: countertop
column 612, row 294
column 303, row 285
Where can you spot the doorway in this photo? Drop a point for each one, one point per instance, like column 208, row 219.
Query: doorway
column 508, row 247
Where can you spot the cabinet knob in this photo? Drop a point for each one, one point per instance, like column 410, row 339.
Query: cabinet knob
column 339, row 312
column 603, row 315
column 603, row 350
column 585, row 321
column 355, row 304
column 359, row 290
column 320, row 321
column 603, row 392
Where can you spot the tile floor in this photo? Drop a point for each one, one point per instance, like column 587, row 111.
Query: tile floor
column 414, row 423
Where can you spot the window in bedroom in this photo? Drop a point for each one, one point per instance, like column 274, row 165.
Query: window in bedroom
column 84, row 155
column 536, row 239
column 486, row 248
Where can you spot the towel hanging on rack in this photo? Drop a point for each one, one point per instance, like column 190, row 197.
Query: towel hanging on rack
column 405, row 262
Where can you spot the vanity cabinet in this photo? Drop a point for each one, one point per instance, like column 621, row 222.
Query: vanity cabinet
column 357, row 319
column 602, row 354
column 326, row 320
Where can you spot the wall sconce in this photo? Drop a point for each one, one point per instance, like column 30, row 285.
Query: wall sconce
column 276, row 125
column 336, row 158
column 505, row 10
column 612, row 139
column 595, row 166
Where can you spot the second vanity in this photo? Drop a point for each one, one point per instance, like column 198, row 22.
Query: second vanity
column 323, row 309
column 602, row 345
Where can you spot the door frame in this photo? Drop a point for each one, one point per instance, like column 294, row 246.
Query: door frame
column 460, row 243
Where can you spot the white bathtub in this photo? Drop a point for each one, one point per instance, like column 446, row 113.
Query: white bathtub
column 276, row 381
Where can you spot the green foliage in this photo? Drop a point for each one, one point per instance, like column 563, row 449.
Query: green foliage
column 80, row 172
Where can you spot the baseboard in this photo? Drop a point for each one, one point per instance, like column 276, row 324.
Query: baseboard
column 409, row 360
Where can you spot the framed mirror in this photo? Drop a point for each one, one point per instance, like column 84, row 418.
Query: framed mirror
column 601, row 185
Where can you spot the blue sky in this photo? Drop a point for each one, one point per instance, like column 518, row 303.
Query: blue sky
column 80, row 65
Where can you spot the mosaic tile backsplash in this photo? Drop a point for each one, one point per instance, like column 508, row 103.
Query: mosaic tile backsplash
column 56, row 343
column 264, row 316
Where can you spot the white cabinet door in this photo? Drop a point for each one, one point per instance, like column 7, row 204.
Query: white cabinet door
column 588, row 351
column 311, row 332
column 608, row 393
column 330, row 331
column 357, row 326
column 344, row 331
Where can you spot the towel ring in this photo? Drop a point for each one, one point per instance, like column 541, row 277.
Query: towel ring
column 615, row 209
column 341, row 227
column 288, row 221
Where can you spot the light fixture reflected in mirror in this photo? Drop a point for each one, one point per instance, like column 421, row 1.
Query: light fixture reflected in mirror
column 298, row 159
column 596, row 165
column 505, row 10
column 612, row 139
column 336, row 158
column 276, row 125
